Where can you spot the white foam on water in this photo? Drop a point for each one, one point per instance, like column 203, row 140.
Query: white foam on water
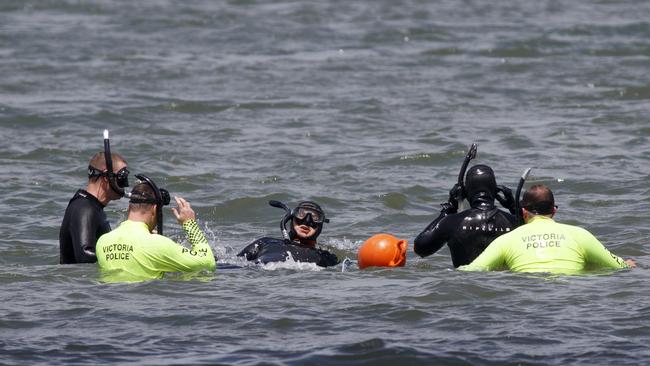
column 343, row 244
column 290, row 263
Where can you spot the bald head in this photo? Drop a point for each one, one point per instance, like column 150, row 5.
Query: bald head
column 539, row 200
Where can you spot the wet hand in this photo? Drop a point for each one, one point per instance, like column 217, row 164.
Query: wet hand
column 631, row 263
column 505, row 198
column 455, row 194
column 183, row 211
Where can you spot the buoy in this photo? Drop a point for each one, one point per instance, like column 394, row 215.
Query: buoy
column 382, row 250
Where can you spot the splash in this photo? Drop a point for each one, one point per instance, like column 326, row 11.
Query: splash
column 344, row 244
column 290, row 263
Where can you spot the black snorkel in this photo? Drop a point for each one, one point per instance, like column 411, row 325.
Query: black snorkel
column 458, row 192
column 161, row 199
column 471, row 154
column 519, row 217
column 109, row 168
column 286, row 218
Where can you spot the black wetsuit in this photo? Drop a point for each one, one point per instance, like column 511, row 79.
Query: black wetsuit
column 265, row 250
column 466, row 233
column 84, row 222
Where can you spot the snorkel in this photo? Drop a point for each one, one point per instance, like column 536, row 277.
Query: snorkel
column 458, row 192
column 112, row 181
column 286, row 218
column 519, row 217
column 471, row 154
column 161, row 198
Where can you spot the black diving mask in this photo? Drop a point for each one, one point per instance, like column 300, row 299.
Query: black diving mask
column 121, row 177
column 309, row 216
column 161, row 195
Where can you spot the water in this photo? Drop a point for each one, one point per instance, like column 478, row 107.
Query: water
column 367, row 107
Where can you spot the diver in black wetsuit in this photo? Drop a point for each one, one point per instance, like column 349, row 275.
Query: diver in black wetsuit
column 300, row 243
column 469, row 232
column 84, row 220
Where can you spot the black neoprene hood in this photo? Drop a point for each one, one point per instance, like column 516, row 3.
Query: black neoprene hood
column 480, row 180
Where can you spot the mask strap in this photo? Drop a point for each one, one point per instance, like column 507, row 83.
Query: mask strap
column 109, row 166
column 94, row 172
column 158, row 202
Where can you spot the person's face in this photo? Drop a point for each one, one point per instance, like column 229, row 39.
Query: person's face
column 303, row 231
column 112, row 194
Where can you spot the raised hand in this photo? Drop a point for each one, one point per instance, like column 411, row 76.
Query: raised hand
column 183, row 211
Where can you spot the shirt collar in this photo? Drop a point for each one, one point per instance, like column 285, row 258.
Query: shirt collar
column 540, row 218
column 136, row 225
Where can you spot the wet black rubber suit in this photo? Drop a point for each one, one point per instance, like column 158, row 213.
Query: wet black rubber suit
column 83, row 223
column 469, row 232
column 265, row 250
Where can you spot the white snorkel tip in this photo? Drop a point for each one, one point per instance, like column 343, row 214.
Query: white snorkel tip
column 105, row 134
column 525, row 175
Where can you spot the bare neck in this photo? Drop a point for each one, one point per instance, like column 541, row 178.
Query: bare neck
column 96, row 189
column 140, row 216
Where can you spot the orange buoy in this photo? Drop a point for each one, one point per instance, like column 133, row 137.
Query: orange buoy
column 382, row 250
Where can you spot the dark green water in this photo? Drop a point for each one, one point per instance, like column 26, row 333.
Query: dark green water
column 368, row 108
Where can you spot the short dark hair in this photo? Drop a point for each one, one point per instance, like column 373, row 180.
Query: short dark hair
column 142, row 191
column 98, row 161
column 538, row 200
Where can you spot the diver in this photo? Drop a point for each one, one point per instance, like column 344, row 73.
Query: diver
column 84, row 220
column 132, row 252
column 299, row 243
column 544, row 245
column 469, row 232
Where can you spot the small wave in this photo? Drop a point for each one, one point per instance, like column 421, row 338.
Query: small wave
column 290, row 263
column 185, row 106
column 629, row 93
column 420, row 158
column 394, row 200
column 344, row 244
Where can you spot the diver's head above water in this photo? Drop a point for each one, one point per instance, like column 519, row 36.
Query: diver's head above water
column 142, row 206
column 538, row 200
column 307, row 223
column 99, row 178
column 481, row 186
column 146, row 203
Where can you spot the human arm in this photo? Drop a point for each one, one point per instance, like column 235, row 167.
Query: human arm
column 597, row 256
column 175, row 257
column 434, row 236
column 327, row 259
column 507, row 200
column 251, row 251
column 85, row 226
column 165, row 255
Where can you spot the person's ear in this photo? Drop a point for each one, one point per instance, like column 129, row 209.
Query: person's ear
column 554, row 211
